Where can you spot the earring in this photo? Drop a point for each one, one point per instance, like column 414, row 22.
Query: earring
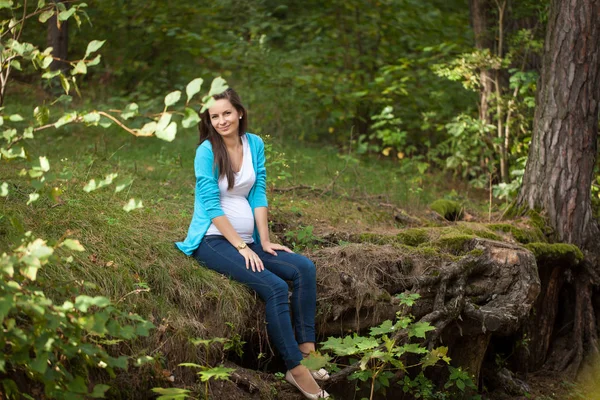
column 240, row 117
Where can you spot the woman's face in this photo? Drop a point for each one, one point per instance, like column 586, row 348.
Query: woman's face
column 224, row 118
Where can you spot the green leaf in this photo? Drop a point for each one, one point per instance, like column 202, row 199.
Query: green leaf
column 385, row 327
column 6, row 3
column 65, row 15
column 41, row 115
column 132, row 204
column 6, row 303
column 217, row 86
column 411, row 348
column 16, row 65
column 65, row 119
column 15, row 118
column 93, row 46
column 216, row 373
column 172, row 98
column 94, row 61
column 120, row 362
column 122, row 184
column 46, row 62
column 190, row 119
column 130, row 111
column 143, row 329
column 143, row 360
column 65, row 83
column 408, row 299
column 92, row 185
column 77, row 385
column 190, row 365
column 171, row 393
column 80, row 68
column 51, row 74
column 208, row 102
column 167, row 134
column 316, row 361
column 44, row 164
column 33, row 197
column 41, row 3
column 349, row 345
column 192, row 88
column 434, row 355
column 92, row 118
column 72, row 244
column 9, row 134
column 418, row 329
column 28, row 133
column 4, row 189
column 83, row 302
column 402, row 323
column 149, row 128
column 164, row 121
column 40, row 363
column 363, row 376
column 99, row 391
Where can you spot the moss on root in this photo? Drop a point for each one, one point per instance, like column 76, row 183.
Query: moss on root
column 520, row 234
column 560, row 253
column 454, row 243
column 450, row 210
column 413, row 237
column 375, row 238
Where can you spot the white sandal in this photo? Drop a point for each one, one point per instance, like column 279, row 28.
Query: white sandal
column 320, row 375
column 321, row 395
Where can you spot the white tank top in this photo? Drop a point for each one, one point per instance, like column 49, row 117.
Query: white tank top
column 234, row 202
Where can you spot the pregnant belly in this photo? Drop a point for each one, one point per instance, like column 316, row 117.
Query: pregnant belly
column 238, row 211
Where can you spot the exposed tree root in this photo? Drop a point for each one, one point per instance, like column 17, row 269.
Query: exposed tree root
column 491, row 289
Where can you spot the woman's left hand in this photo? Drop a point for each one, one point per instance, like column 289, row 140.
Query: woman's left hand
column 271, row 247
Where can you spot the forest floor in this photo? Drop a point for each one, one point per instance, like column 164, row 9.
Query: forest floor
column 131, row 258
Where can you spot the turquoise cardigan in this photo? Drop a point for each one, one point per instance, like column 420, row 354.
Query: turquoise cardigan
column 208, row 205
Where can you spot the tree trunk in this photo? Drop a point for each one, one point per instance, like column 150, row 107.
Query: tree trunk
column 480, row 10
column 58, row 39
column 562, row 156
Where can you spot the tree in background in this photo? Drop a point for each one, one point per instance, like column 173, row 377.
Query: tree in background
column 560, row 169
column 58, row 38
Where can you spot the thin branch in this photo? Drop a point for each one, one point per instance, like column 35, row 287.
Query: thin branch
column 134, row 132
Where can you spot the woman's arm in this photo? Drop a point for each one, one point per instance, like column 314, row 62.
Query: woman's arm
column 262, row 223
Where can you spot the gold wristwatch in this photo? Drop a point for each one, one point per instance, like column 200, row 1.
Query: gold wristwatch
column 241, row 246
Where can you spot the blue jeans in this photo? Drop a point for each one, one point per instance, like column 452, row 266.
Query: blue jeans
column 216, row 253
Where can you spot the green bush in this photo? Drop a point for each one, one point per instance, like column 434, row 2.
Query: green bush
column 56, row 345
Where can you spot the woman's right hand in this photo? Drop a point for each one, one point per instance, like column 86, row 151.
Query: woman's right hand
column 252, row 260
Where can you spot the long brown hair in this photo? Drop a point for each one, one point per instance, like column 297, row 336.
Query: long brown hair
column 207, row 132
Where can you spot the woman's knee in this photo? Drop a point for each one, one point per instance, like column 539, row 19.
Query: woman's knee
column 306, row 268
column 279, row 288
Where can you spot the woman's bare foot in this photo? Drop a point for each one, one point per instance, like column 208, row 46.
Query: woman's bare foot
column 304, row 379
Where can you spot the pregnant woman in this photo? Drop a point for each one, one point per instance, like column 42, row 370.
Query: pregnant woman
column 229, row 234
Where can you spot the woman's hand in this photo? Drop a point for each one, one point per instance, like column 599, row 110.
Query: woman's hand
column 270, row 248
column 252, row 260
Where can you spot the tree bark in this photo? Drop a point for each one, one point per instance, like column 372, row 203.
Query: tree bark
column 480, row 10
column 58, row 39
column 559, row 171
